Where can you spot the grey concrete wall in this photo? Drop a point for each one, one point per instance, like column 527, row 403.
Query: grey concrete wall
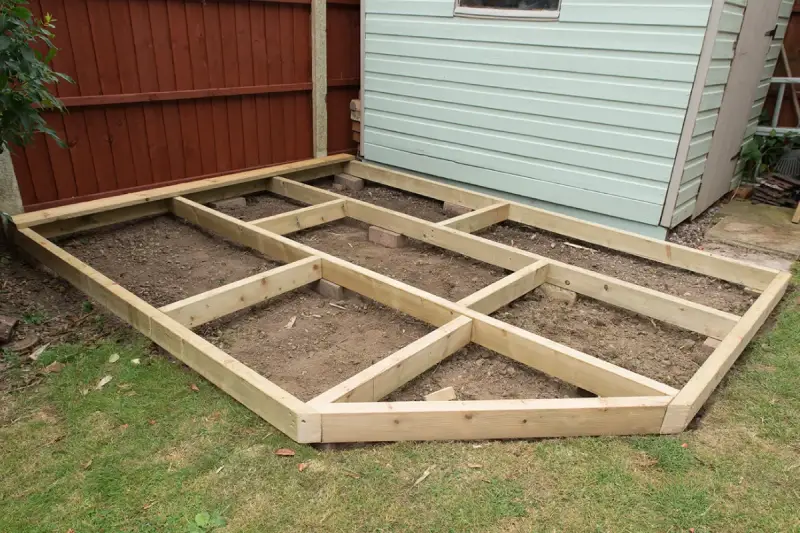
column 10, row 200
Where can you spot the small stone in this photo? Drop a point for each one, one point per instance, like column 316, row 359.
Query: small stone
column 444, row 395
column 687, row 345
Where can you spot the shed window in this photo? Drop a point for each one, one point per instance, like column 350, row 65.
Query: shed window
column 509, row 8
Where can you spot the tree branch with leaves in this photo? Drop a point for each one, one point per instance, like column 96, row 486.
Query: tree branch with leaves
column 26, row 52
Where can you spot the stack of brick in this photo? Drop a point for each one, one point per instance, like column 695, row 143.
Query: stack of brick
column 355, row 117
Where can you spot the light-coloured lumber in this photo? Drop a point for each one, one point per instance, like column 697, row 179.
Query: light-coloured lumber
column 663, row 252
column 300, row 219
column 507, row 289
column 387, row 375
column 479, row 219
column 490, row 419
column 560, row 361
column 260, row 395
column 36, row 218
column 319, row 77
column 301, row 192
column 695, row 393
column 671, row 309
column 237, row 231
column 207, row 306
column 648, row 302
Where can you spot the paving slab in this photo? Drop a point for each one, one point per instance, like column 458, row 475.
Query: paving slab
column 759, row 227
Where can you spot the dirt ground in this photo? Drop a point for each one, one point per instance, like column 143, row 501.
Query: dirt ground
column 164, row 259
column 405, row 202
column 260, row 206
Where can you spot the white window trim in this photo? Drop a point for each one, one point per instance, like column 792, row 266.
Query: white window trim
column 489, row 12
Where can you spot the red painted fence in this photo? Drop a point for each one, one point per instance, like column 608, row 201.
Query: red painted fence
column 172, row 90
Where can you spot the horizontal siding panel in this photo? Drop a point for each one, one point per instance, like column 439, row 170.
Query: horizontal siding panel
column 537, row 151
column 559, row 129
column 429, row 8
column 661, row 93
column 705, row 122
column 712, row 98
column 689, row 190
column 694, row 169
column 718, row 72
column 724, row 46
column 669, row 40
column 556, row 193
column 553, row 106
column 699, row 146
column 608, row 63
column 683, row 211
column 649, row 15
column 551, row 172
column 731, row 20
column 755, row 111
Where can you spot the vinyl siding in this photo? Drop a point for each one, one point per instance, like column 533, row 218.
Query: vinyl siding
column 583, row 113
column 714, row 89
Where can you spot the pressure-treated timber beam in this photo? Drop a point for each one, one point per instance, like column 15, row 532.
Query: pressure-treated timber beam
column 385, row 376
column 96, row 213
column 216, row 303
column 479, row 219
column 671, row 309
column 695, row 393
column 260, row 395
column 663, row 252
column 490, row 419
column 543, row 354
column 300, row 219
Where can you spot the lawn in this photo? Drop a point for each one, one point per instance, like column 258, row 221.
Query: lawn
column 157, row 446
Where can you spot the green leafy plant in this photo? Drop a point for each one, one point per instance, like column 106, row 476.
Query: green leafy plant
column 204, row 522
column 26, row 51
column 761, row 153
column 34, row 317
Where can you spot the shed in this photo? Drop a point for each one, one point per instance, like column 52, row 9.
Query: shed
column 629, row 113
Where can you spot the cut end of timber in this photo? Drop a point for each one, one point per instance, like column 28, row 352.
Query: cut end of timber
column 455, row 210
column 443, row 395
column 349, row 182
column 386, row 238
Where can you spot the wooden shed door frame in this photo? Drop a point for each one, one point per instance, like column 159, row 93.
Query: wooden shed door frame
column 755, row 38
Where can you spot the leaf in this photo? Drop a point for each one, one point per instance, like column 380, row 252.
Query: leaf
column 54, row 368
column 218, row 521
column 194, row 387
column 285, row 452
column 474, row 465
column 202, row 519
column 114, row 358
column 103, row 382
column 87, row 464
column 424, row 475
column 302, row 466
column 290, row 324
column 136, row 362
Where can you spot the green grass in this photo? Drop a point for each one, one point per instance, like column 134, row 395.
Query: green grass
column 146, row 453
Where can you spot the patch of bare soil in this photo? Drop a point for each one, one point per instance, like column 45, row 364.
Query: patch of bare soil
column 164, row 259
column 325, row 344
column 477, row 373
column 48, row 310
column 426, row 267
column 653, row 349
column 259, row 205
column 694, row 287
column 404, row 202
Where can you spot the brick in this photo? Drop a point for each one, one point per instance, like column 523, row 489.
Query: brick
column 387, row 238
column 231, row 203
column 349, row 182
column 329, row 290
column 551, row 292
column 455, row 210
column 444, row 395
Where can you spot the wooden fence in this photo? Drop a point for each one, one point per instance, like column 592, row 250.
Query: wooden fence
column 172, row 90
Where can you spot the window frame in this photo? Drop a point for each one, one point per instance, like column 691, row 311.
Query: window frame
column 503, row 13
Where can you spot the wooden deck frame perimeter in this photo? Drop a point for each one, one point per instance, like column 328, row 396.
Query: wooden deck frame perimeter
column 627, row 403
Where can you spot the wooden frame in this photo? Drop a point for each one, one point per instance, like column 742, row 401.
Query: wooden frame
column 627, row 404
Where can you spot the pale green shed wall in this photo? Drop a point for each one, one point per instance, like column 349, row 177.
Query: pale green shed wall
column 585, row 112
